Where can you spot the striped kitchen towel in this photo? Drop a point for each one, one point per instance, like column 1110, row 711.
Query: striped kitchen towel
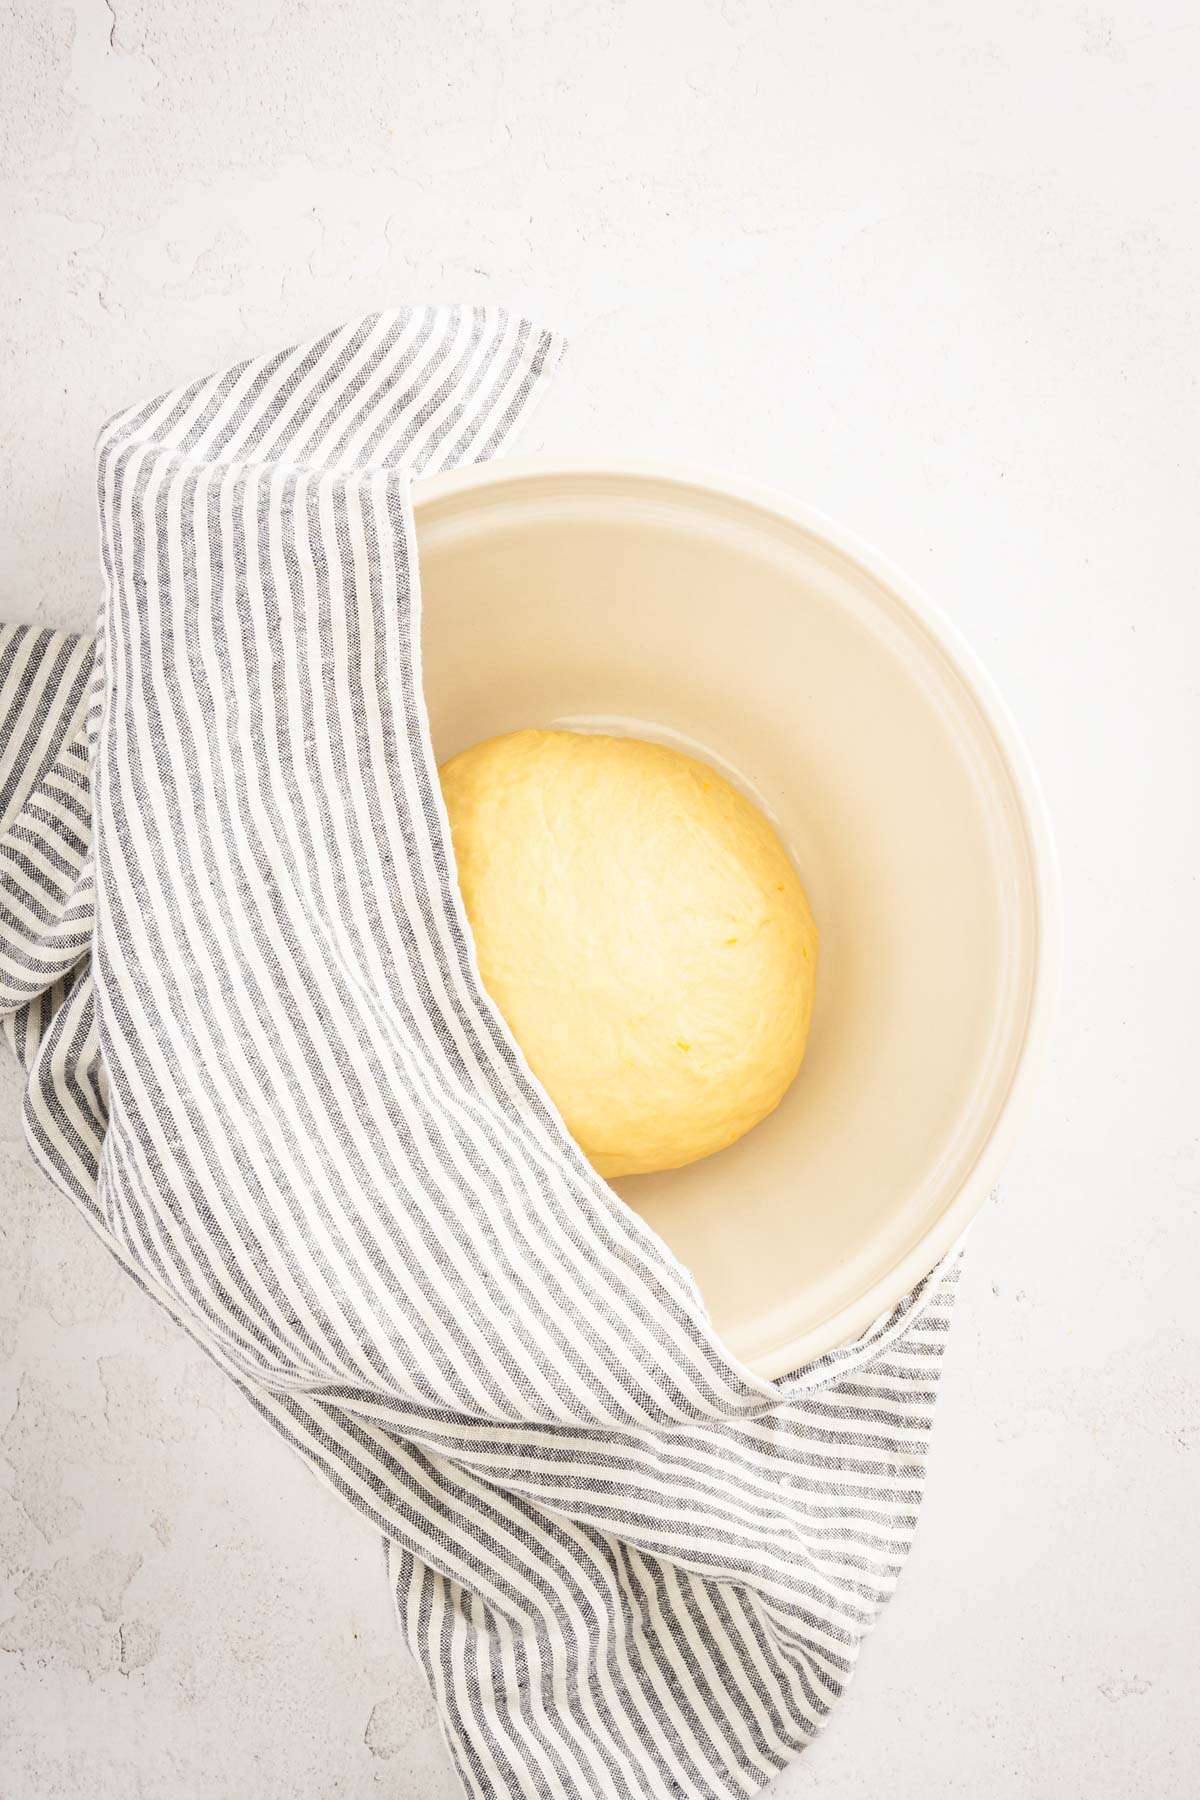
column 236, row 967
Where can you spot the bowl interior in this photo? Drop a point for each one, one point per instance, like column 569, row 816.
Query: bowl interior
column 675, row 609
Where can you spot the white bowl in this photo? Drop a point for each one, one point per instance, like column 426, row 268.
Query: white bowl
column 782, row 648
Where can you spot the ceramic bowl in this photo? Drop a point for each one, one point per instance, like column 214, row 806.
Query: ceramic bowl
column 753, row 632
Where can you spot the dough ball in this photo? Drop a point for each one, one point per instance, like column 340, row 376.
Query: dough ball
column 643, row 932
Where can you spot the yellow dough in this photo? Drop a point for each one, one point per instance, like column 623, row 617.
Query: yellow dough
column 643, row 932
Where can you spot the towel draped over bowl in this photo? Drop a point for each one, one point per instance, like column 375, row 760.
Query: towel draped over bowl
column 235, row 965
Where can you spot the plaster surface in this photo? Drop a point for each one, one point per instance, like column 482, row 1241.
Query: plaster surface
column 931, row 266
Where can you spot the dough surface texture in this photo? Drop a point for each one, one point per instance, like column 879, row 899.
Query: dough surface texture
column 644, row 934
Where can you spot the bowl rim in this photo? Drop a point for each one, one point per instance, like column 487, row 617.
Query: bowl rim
column 942, row 1235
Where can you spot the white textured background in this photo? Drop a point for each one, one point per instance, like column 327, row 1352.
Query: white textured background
column 933, row 266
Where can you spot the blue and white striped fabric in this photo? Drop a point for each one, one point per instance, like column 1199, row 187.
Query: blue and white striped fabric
column 235, row 964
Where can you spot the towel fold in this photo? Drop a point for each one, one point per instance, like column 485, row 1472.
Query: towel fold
column 236, row 967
